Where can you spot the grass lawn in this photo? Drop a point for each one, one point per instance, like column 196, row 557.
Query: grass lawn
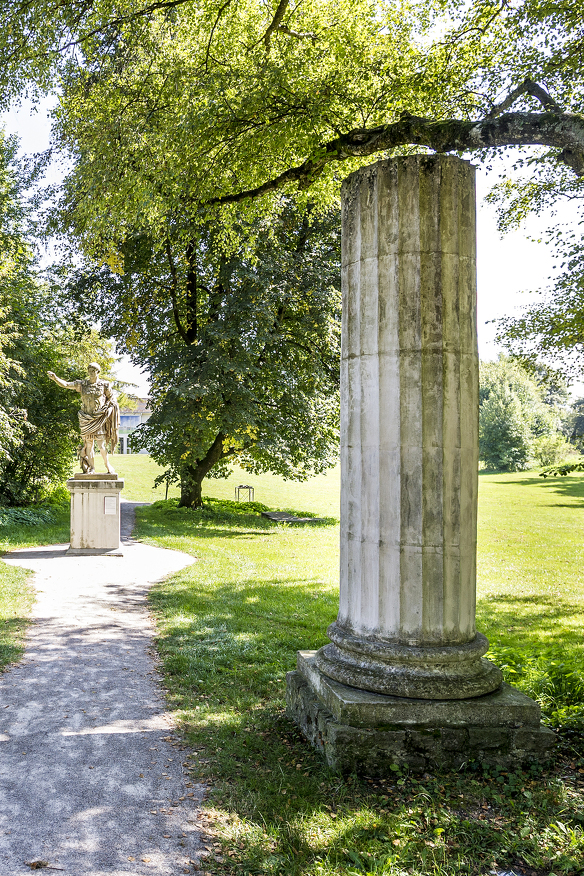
column 319, row 495
column 229, row 628
column 16, row 593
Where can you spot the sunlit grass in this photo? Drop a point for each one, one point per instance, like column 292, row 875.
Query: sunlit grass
column 230, row 626
column 319, row 494
column 16, row 592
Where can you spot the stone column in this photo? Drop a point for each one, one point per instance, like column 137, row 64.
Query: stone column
column 409, row 435
column 403, row 680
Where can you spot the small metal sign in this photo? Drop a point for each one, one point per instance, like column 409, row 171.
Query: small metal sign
column 110, row 505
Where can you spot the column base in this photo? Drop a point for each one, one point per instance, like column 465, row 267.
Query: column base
column 364, row 732
column 442, row 672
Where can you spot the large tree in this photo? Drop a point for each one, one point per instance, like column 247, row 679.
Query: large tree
column 38, row 422
column 183, row 115
column 243, row 351
column 517, row 416
column 211, row 104
column 317, row 80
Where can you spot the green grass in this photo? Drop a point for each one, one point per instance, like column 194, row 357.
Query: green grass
column 16, row 596
column 531, row 586
column 319, row 495
column 229, row 627
column 19, row 530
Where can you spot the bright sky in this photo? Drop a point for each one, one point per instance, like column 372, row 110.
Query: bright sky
column 507, row 268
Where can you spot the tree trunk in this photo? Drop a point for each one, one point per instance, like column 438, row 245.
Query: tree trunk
column 191, row 482
column 191, row 489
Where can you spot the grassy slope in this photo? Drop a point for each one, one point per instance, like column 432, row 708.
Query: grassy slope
column 229, row 627
column 319, row 494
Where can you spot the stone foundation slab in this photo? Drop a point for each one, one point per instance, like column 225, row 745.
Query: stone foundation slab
column 369, row 733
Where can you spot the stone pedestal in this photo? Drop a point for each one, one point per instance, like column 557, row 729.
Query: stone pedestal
column 95, row 514
column 409, row 441
column 363, row 732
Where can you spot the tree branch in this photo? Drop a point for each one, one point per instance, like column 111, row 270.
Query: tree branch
column 126, row 19
column 173, row 296
column 559, row 130
column 219, row 14
column 276, row 21
column 296, row 34
column 526, row 87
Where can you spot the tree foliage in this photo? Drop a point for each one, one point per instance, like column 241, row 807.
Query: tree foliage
column 243, row 350
column 515, row 423
column 186, row 118
column 38, row 421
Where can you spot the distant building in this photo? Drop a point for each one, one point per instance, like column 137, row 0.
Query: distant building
column 130, row 419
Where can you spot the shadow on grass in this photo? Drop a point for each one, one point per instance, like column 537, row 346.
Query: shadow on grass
column 11, row 646
column 565, row 486
column 226, row 649
column 18, row 535
column 218, row 519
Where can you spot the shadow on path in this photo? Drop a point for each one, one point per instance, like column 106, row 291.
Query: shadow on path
column 91, row 781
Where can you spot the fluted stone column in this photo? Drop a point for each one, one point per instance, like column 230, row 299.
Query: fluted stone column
column 409, row 435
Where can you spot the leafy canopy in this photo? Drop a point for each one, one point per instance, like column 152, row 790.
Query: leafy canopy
column 38, row 421
column 183, row 110
column 243, row 350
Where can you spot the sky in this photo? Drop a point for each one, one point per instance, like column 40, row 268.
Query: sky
column 507, row 267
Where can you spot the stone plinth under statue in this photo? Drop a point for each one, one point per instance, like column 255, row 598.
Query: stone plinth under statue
column 95, row 514
column 404, row 679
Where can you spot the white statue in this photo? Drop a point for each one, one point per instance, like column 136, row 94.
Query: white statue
column 99, row 417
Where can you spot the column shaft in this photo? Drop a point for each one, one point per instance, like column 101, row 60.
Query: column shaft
column 409, row 434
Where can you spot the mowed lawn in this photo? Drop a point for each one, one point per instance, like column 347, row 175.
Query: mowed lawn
column 229, row 627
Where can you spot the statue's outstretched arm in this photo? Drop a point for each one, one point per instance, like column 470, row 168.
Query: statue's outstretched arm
column 62, row 383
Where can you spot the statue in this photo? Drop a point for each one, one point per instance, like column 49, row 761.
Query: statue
column 99, row 417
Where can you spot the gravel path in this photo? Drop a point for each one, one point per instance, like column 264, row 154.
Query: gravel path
column 92, row 781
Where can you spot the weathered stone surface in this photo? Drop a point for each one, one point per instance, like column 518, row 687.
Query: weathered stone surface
column 373, row 750
column 95, row 514
column 539, row 743
column 96, row 476
column 409, row 435
column 404, row 680
column 505, row 707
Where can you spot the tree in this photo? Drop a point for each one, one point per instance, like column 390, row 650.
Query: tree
column 515, row 423
column 243, row 350
column 215, row 104
column 186, row 115
column 38, row 424
column 553, row 325
column 385, row 58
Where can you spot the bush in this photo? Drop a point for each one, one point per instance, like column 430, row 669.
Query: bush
column 555, row 681
column 551, row 449
column 25, row 516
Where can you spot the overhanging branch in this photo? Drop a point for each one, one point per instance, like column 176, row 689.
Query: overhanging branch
column 559, row 130
column 526, row 87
